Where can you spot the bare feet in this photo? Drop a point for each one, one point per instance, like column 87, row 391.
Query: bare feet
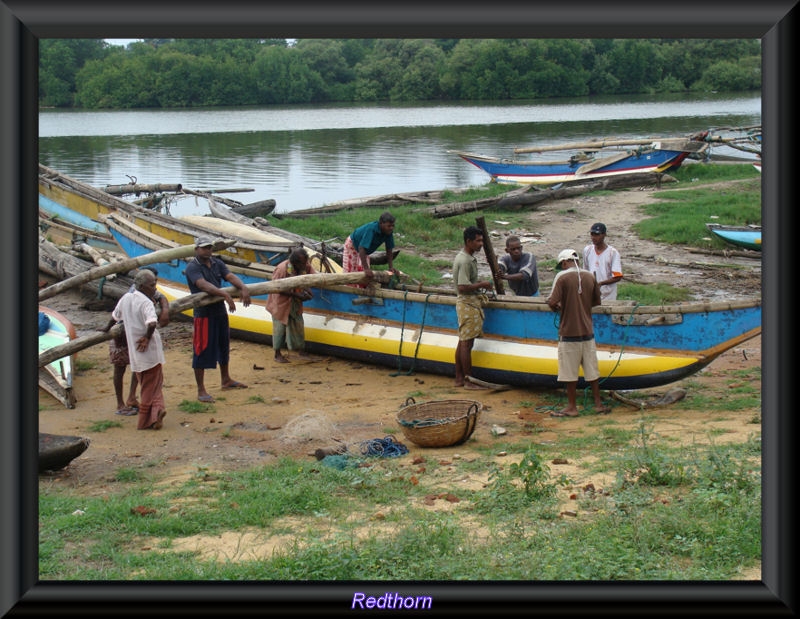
column 281, row 359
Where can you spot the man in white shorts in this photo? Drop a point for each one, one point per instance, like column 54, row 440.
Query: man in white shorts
column 575, row 292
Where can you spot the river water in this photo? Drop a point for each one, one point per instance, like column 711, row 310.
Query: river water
column 306, row 156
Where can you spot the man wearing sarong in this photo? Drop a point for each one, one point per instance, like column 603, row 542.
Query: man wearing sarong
column 286, row 307
column 138, row 315
column 364, row 241
column 469, row 303
column 211, row 343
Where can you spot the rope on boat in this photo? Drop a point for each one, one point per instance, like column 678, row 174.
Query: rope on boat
column 419, row 339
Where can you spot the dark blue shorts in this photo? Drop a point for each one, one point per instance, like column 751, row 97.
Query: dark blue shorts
column 211, row 342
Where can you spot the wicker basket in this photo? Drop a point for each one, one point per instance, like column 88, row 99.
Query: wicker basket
column 439, row 423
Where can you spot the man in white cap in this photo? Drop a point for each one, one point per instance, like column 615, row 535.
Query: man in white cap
column 211, row 330
column 575, row 292
column 604, row 261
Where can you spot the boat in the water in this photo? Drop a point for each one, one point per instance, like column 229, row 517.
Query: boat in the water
column 583, row 161
column 57, row 450
column 747, row 237
column 415, row 329
column 56, row 377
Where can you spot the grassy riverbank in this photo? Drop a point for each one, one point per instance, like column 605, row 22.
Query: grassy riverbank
column 678, row 218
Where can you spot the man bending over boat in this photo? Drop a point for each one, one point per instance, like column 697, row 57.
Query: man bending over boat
column 138, row 315
column 211, row 330
column 286, row 308
column 365, row 240
column 469, row 303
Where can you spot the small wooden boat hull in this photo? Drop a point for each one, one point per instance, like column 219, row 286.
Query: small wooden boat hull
column 57, row 450
column 56, row 377
column 747, row 237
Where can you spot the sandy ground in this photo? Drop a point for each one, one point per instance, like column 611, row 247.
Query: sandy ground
column 298, row 407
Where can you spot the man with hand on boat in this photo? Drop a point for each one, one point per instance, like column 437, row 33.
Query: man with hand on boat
column 518, row 268
column 211, row 330
column 575, row 292
column 138, row 315
column 470, row 300
column 286, row 307
column 365, row 240
column 603, row 261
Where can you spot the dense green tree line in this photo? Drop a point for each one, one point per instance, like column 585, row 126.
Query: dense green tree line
column 171, row 73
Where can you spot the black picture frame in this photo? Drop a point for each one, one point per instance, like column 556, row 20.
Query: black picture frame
column 23, row 22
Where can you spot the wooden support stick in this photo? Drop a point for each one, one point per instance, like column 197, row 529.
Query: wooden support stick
column 490, row 257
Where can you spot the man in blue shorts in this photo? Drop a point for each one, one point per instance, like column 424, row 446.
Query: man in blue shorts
column 211, row 333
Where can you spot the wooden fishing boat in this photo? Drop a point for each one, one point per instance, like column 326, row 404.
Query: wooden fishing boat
column 748, row 237
column 94, row 203
column 57, row 450
column 416, row 330
column 56, row 377
column 587, row 160
column 136, row 241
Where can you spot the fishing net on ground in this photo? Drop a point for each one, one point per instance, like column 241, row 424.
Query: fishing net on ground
column 311, row 426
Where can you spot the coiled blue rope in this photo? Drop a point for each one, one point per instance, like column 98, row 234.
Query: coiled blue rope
column 385, row 447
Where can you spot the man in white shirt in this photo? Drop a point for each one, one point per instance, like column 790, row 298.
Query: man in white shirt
column 138, row 315
column 604, row 262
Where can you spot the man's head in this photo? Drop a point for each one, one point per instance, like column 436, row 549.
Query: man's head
column 598, row 233
column 386, row 222
column 514, row 247
column 567, row 258
column 203, row 245
column 298, row 259
column 145, row 282
column 473, row 239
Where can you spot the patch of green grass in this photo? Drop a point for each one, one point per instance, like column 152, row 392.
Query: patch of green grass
column 103, row 425
column 673, row 514
column 81, row 365
column 256, row 399
column 193, row 407
column 652, row 294
column 127, row 475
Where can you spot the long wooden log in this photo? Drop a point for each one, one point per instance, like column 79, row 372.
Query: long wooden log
column 203, row 298
column 490, row 257
column 120, row 190
column 62, row 265
column 162, row 255
column 590, row 145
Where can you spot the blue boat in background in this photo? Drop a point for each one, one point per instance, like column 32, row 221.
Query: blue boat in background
column 747, row 237
column 586, row 161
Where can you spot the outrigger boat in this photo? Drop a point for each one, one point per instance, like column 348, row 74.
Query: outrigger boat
column 415, row 329
column 589, row 160
column 93, row 204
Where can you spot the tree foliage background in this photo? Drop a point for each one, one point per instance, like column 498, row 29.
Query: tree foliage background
column 176, row 73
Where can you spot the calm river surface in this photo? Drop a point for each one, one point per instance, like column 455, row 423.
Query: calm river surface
column 306, row 156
